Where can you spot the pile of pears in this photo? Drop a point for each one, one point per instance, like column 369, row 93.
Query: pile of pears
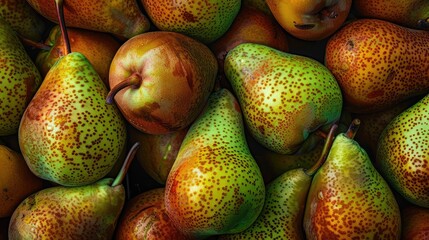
column 142, row 119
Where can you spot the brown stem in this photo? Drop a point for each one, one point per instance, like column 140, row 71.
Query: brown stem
column 353, row 128
column 59, row 4
column 134, row 80
column 326, row 148
column 321, row 134
column 31, row 43
column 126, row 165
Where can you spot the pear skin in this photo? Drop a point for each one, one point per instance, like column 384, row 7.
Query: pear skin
column 19, row 79
column 378, row 64
column 215, row 186
column 415, row 224
column 144, row 217
column 349, row 199
column 205, row 21
column 408, row 13
column 403, row 153
column 16, row 181
column 86, row 212
column 284, row 97
column 68, row 134
column 23, row 19
column 119, row 17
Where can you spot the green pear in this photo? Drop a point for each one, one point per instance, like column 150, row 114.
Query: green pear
column 85, row 212
column 68, row 134
column 403, row 153
column 348, row 197
column 281, row 217
column 215, row 186
column 19, row 79
column 284, row 97
column 203, row 20
column 23, row 19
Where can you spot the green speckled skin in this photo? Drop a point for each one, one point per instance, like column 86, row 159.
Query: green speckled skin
column 215, row 186
column 348, row 198
column 284, row 97
column 403, row 153
column 88, row 212
column 204, row 20
column 68, row 134
column 281, row 217
column 19, row 79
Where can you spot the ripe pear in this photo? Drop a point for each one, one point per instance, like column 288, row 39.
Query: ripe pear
column 348, row 197
column 403, row 153
column 83, row 212
column 19, row 79
column 281, row 217
column 119, row 17
column 215, row 186
column 203, row 20
column 144, row 217
column 68, row 134
column 98, row 47
column 284, row 97
column 378, row 64
column 408, row 13
column 16, row 181
column 23, row 19
column 161, row 80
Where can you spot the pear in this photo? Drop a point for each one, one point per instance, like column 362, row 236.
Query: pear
column 122, row 18
column 378, row 64
column 403, row 153
column 157, row 152
column 84, row 212
column 215, row 186
column 19, row 79
column 284, row 97
column 161, row 80
column 281, row 217
column 68, row 134
column 348, row 197
column 98, row 47
column 144, row 217
column 16, row 181
column 23, row 19
column 203, row 20
column 415, row 224
column 408, row 13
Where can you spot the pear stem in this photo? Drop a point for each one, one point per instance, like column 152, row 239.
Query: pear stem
column 134, row 80
column 59, row 4
column 31, row 43
column 325, row 151
column 321, row 134
column 124, row 169
column 353, row 128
